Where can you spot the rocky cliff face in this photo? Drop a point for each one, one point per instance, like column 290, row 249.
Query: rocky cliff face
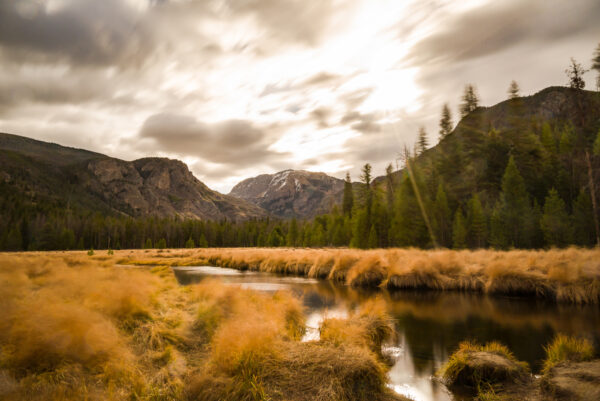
column 150, row 186
column 292, row 193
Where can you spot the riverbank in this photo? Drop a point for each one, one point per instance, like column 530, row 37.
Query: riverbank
column 492, row 373
column 78, row 327
column 563, row 275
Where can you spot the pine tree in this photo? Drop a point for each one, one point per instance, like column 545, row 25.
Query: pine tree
column 408, row 227
column 548, row 140
column 555, row 222
column 389, row 187
column 509, row 225
column 190, row 243
column 596, row 147
column 348, row 200
column 161, row 244
column 442, row 217
column 148, row 244
column 583, row 220
column 360, row 229
column 470, row 101
column 14, row 240
column 596, row 66
column 372, row 241
column 477, row 225
column 202, row 242
column 459, row 231
column 422, row 141
column 513, row 91
column 445, row 122
column 575, row 73
column 292, row 235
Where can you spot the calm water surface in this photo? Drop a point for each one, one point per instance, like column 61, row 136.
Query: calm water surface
column 430, row 325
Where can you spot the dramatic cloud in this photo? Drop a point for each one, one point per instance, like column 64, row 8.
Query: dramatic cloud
column 236, row 88
column 235, row 143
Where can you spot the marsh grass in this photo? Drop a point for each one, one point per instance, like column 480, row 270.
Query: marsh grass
column 482, row 366
column 564, row 275
column 75, row 327
column 565, row 348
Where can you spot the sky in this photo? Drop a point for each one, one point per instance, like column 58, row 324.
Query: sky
column 237, row 88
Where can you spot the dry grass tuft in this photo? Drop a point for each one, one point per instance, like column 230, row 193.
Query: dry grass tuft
column 564, row 348
column 482, row 366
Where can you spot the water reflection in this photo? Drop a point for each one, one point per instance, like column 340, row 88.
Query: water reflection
column 429, row 324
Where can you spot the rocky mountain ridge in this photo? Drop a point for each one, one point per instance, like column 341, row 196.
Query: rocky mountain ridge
column 291, row 193
column 92, row 181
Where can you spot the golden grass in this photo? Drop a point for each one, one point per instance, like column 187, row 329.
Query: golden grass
column 565, row 275
column 482, row 366
column 76, row 327
column 564, row 348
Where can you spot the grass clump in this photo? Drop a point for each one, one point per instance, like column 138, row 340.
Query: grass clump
column 565, row 348
column 368, row 327
column 478, row 366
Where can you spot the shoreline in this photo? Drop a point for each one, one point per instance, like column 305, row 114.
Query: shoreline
column 569, row 275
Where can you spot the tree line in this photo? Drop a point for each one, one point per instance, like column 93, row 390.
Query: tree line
column 538, row 188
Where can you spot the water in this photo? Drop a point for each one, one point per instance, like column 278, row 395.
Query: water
column 429, row 325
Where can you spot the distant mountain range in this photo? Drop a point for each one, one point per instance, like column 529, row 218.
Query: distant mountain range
column 76, row 178
column 469, row 159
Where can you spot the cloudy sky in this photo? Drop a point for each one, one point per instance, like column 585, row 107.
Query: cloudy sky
column 236, row 88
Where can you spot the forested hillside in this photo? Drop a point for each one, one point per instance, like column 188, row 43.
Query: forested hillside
column 522, row 173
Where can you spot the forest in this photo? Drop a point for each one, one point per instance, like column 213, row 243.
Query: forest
column 504, row 177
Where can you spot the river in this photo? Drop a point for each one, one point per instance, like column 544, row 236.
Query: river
column 429, row 325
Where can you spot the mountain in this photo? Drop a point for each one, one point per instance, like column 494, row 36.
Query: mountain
column 291, row 193
column 546, row 133
column 48, row 173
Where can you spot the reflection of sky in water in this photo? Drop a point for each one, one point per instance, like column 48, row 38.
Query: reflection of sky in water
column 429, row 325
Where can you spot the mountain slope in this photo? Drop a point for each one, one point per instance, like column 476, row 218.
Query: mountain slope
column 292, row 193
column 472, row 158
column 50, row 173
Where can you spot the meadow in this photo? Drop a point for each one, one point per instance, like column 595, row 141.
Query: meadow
column 81, row 327
column 569, row 275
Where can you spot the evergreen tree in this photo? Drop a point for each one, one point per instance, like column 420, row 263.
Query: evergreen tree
column 470, row 101
column 25, row 237
column 555, row 222
column 445, row 122
column 292, row 235
column 389, row 187
column 360, row 230
column 459, row 231
column 442, row 217
column 161, row 244
column 372, row 241
column 422, row 141
column 148, row 244
column 408, row 227
column 596, row 147
column 509, row 221
column 548, row 139
column 477, row 225
column 190, row 243
column 348, row 200
column 513, row 91
column 575, row 73
column 596, row 66
column 583, row 220
column 14, row 240
column 202, row 242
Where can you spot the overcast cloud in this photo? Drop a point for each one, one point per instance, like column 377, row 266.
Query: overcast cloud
column 236, row 88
